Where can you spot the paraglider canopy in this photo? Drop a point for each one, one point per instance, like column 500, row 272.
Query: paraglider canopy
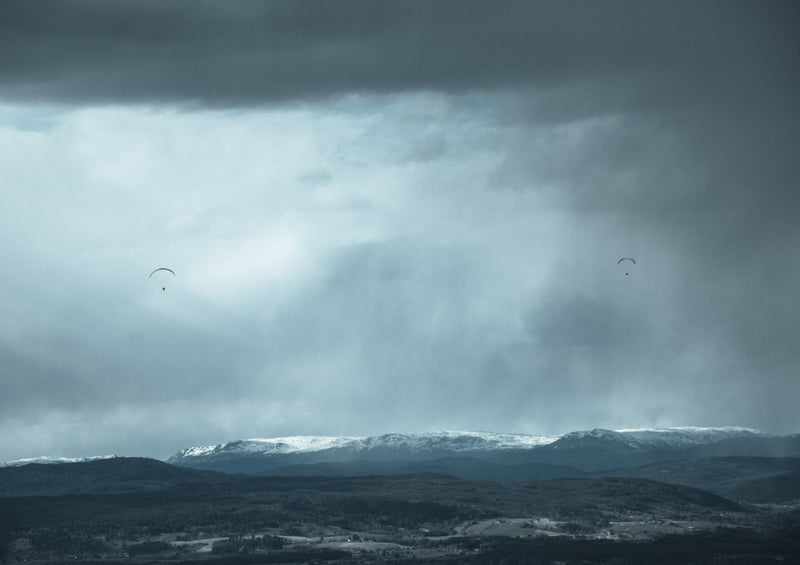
column 162, row 269
column 626, row 259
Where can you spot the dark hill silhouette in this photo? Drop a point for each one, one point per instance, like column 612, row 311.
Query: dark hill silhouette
column 117, row 474
column 778, row 489
column 716, row 474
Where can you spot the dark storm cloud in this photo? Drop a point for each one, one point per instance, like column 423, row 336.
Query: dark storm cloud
column 222, row 53
column 683, row 79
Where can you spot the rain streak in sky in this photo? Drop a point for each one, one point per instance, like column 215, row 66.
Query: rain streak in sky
column 394, row 217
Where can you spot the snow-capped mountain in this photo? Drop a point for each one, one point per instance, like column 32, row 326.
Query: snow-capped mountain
column 455, row 442
column 261, row 454
column 452, row 441
column 581, row 451
column 652, row 438
column 292, row 444
column 684, row 436
column 460, row 442
column 473, row 454
column 44, row 460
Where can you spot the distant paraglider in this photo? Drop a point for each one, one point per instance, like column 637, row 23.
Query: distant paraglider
column 627, row 259
column 162, row 269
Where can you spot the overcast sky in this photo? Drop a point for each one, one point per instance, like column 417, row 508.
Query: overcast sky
column 394, row 217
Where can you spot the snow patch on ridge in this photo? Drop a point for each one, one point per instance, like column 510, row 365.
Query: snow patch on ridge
column 289, row 444
column 45, row 460
column 451, row 440
column 649, row 438
column 684, row 436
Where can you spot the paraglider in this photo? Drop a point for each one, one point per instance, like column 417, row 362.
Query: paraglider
column 626, row 259
column 162, row 269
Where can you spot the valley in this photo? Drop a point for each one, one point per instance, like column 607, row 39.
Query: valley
column 407, row 518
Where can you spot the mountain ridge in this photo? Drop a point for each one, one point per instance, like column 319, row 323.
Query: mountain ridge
column 714, row 459
column 586, row 451
column 582, row 451
column 466, row 440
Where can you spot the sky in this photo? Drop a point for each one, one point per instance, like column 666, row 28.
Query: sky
column 394, row 217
